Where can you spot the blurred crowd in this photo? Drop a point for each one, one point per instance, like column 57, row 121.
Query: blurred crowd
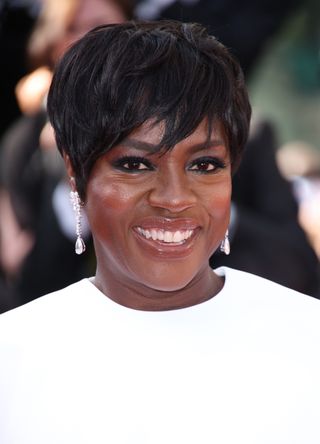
column 275, row 218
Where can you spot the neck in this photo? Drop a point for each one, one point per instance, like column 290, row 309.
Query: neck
column 141, row 297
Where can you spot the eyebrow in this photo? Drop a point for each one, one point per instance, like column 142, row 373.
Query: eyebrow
column 153, row 148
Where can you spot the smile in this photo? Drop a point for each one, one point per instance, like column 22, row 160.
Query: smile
column 169, row 237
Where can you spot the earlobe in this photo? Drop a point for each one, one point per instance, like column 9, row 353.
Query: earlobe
column 70, row 171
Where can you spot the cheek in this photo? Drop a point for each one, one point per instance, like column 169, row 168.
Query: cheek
column 108, row 204
column 218, row 200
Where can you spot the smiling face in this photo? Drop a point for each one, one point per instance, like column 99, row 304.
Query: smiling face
column 157, row 217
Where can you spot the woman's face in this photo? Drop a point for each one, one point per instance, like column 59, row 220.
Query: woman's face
column 157, row 218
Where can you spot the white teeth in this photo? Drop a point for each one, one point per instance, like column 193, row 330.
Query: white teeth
column 178, row 237
column 166, row 236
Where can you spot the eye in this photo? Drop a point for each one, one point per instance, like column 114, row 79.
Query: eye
column 133, row 164
column 206, row 165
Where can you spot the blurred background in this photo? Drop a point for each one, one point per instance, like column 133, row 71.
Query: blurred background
column 275, row 225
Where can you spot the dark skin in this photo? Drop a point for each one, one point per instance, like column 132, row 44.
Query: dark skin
column 157, row 218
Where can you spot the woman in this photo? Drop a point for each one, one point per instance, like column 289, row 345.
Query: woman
column 151, row 119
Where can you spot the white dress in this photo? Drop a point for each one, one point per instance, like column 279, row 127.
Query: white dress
column 243, row 367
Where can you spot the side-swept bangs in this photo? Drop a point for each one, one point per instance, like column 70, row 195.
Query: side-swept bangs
column 119, row 76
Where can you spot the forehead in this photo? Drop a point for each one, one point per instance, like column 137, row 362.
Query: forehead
column 152, row 132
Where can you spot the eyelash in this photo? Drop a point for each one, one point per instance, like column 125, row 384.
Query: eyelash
column 218, row 164
column 136, row 162
column 120, row 164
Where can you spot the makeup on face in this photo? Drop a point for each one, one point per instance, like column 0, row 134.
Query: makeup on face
column 156, row 217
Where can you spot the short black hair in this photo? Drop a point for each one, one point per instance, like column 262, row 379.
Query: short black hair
column 119, row 76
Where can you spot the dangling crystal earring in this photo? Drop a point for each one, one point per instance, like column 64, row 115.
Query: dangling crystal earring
column 80, row 246
column 225, row 244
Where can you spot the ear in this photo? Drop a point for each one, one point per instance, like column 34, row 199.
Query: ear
column 70, row 171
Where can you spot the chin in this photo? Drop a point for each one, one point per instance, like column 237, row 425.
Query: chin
column 169, row 282
column 167, row 288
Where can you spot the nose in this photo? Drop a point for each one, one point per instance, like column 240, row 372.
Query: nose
column 173, row 192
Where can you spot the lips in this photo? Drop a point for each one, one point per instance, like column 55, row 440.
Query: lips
column 167, row 237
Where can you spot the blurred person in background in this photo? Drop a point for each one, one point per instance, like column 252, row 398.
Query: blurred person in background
column 299, row 162
column 17, row 18
column 35, row 236
column 244, row 26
